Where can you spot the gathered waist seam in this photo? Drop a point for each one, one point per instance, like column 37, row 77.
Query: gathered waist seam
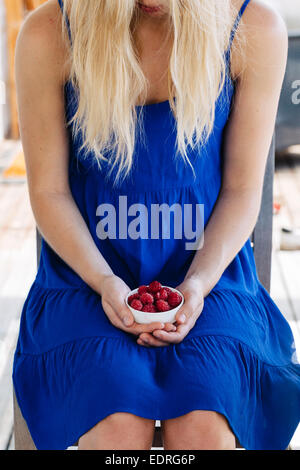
column 288, row 365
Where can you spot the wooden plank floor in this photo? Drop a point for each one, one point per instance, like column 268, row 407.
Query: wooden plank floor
column 17, row 269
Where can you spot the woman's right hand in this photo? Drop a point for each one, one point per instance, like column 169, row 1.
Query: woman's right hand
column 113, row 291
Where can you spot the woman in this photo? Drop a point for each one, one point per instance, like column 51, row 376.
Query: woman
column 83, row 368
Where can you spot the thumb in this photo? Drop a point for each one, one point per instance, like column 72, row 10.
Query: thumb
column 185, row 311
column 125, row 315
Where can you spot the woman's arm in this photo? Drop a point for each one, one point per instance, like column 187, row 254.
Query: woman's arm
column 247, row 142
column 40, row 76
column 248, row 136
column 40, row 57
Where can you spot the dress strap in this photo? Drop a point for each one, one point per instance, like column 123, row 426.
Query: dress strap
column 61, row 4
column 237, row 22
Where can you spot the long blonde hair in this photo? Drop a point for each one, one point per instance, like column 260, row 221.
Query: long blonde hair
column 106, row 70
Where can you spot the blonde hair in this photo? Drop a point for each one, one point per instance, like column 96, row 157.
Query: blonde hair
column 105, row 69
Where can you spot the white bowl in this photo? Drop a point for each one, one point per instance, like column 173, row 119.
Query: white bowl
column 149, row 317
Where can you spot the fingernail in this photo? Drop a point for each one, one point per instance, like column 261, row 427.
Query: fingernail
column 162, row 325
column 127, row 321
column 182, row 318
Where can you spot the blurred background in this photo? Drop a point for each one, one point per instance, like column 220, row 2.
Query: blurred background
column 17, row 227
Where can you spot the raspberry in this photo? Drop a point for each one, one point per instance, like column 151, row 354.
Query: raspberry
column 156, row 295
column 162, row 306
column 163, row 294
column 143, row 289
column 174, row 299
column 168, row 290
column 149, row 308
column 146, row 298
column 136, row 304
column 132, row 297
column 154, row 286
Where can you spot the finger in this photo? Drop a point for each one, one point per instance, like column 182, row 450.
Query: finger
column 147, row 328
column 150, row 340
column 142, row 343
column 188, row 310
column 135, row 328
column 170, row 327
column 138, row 328
column 122, row 311
column 172, row 336
column 183, row 314
column 125, row 316
column 112, row 316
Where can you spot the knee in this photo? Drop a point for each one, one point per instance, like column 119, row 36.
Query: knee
column 198, row 430
column 129, row 425
column 122, row 431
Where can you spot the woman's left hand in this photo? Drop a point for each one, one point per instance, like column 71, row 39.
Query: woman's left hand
column 186, row 316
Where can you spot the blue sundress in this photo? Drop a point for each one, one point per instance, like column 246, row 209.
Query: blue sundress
column 72, row 367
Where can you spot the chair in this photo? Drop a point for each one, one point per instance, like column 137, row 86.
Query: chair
column 262, row 245
column 288, row 116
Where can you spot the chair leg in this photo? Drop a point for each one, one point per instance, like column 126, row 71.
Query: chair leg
column 23, row 439
column 157, row 437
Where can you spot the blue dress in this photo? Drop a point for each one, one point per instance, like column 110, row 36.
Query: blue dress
column 72, row 367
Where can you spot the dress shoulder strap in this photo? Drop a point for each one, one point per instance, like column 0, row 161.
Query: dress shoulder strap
column 61, row 4
column 237, row 22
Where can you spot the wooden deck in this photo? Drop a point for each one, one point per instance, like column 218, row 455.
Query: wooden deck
column 18, row 265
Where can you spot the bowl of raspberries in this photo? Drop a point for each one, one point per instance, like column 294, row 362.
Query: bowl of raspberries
column 154, row 303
